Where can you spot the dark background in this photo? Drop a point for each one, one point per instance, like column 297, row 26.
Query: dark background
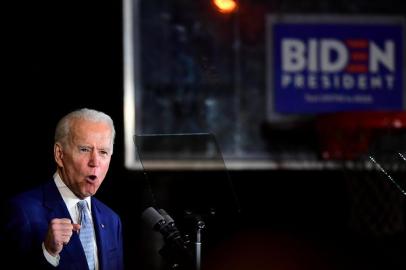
column 60, row 56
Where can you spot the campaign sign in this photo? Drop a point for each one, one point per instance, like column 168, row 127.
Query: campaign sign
column 338, row 64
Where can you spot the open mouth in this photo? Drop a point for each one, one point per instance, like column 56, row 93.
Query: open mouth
column 92, row 178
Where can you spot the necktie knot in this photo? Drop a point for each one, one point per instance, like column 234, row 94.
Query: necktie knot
column 83, row 213
column 82, row 205
column 86, row 233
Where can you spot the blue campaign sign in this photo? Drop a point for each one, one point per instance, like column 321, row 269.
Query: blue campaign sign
column 336, row 65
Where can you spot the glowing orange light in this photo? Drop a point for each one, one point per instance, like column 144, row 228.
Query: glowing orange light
column 225, row 6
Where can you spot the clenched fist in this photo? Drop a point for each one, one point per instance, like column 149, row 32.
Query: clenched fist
column 59, row 233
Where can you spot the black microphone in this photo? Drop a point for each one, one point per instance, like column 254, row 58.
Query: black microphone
column 162, row 222
column 152, row 218
column 175, row 249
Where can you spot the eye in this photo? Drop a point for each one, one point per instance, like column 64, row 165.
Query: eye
column 104, row 153
column 84, row 149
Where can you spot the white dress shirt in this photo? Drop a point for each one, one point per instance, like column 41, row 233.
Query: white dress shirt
column 71, row 201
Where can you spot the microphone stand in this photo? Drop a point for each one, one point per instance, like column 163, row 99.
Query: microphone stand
column 196, row 223
column 198, row 244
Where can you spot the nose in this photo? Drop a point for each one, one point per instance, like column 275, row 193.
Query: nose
column 94, row 160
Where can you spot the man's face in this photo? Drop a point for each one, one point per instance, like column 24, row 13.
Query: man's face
column 83, row 163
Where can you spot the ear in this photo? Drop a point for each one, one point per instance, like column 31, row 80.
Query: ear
column 58, row 154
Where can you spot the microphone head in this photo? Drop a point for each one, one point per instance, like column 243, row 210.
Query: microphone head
column 151, row 217
column 166, row 216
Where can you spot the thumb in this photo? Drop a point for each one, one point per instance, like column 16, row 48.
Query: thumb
column 76, row 227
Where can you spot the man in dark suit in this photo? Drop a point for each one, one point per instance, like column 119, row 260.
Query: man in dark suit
column 43, row 226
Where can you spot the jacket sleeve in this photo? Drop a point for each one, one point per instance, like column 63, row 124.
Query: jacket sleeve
column 21, row 245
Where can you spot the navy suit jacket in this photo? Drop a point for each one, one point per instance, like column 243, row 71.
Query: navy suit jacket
column 26, row 225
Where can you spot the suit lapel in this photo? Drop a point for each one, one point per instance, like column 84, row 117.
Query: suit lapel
column 54, row 202
column 100, row 230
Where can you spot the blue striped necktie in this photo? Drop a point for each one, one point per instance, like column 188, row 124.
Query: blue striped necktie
column 86, row 233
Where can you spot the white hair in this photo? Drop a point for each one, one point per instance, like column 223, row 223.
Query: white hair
column 63, row 128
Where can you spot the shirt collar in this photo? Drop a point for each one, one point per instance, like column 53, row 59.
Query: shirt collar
column 68, row 196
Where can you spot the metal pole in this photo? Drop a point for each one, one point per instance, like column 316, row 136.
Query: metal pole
column 198, row 244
